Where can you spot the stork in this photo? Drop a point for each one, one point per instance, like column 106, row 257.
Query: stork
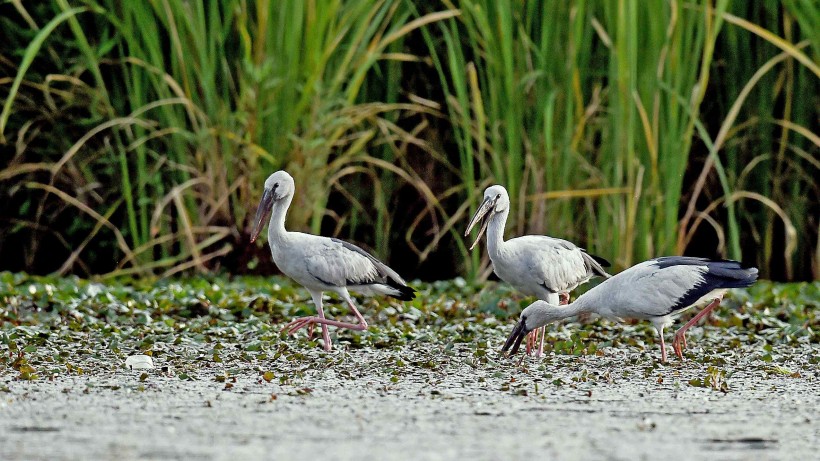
column 653, row 290
column 321, row 263
column 536, row 265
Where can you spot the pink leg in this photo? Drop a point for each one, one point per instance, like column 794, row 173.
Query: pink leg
column 663, row 347
column 530, row 342
column 317, row 301
column 302, row 322
column 535, row 335
column 563, row 298
column 325, row 333
column 680, row 335
column 359, row 316
column 541, row 333
column 310, row 327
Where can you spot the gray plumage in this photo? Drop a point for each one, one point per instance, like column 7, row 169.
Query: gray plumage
column 536, row 265
column 653, row 290
column 329, row 264
column 321, row 263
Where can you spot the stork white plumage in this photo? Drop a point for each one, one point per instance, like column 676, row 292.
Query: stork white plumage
column 320, row 263
column 653, row 290
column 545, row 267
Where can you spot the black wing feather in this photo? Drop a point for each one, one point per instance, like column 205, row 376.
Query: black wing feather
column 719, row 274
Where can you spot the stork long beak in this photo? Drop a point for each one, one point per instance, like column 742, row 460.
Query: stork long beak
column 482, row 214
column 517, row 335
column 262, row 213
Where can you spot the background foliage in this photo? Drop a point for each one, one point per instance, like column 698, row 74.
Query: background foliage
column 136, row 135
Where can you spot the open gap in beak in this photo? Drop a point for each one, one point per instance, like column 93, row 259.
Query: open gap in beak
column 483, row 228
column 263, row 212
column 483, row 214
column 514, row 341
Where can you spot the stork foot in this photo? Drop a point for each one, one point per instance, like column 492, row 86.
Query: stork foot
column 663, row 346
column 679, row 343
column 310, row 323
column 302, row 322
column 680, row 336
column 297, row 324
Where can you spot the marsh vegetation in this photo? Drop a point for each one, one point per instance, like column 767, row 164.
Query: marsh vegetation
column 138, row 134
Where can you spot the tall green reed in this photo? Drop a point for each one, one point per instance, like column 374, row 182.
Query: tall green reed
column 199, row 101
column 552, row 99
column 534, row 113
column 157, row 122
column 764, row 145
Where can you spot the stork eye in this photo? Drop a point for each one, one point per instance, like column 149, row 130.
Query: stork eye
column 275, row 185
column 498, row 196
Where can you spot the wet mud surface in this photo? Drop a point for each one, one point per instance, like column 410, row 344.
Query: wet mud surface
column 366, row 404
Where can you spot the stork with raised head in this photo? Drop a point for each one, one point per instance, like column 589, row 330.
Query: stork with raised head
column 653, row 290
column 321, row 263
column 536, row 265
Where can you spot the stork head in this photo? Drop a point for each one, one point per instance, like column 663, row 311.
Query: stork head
column 278, row 186
column 536, row 315
column 495, row 201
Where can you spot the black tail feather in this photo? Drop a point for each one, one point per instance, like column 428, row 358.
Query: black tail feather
column 596, row 264
column 603, row 262
column 719, row 274
column 406, row 293
column 732, row 274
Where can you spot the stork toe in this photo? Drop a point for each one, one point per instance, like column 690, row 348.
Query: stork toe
column 679, row 344
column 298, row 324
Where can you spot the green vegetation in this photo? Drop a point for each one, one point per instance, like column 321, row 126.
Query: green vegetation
column 56, row 326
column 137, row 134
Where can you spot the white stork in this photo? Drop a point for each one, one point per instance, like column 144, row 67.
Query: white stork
column 653, row 290
column 320, row 263
column 536, row 265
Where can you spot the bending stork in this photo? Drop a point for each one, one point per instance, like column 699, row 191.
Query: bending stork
column 653, row 290
column 320, row 263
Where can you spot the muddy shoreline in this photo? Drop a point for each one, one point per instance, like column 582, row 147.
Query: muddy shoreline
column 619, row 404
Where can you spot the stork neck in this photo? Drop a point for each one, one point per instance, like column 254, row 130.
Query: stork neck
column 579, row 306
column 276, row 227
column 495, row 232
column 552, row 313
